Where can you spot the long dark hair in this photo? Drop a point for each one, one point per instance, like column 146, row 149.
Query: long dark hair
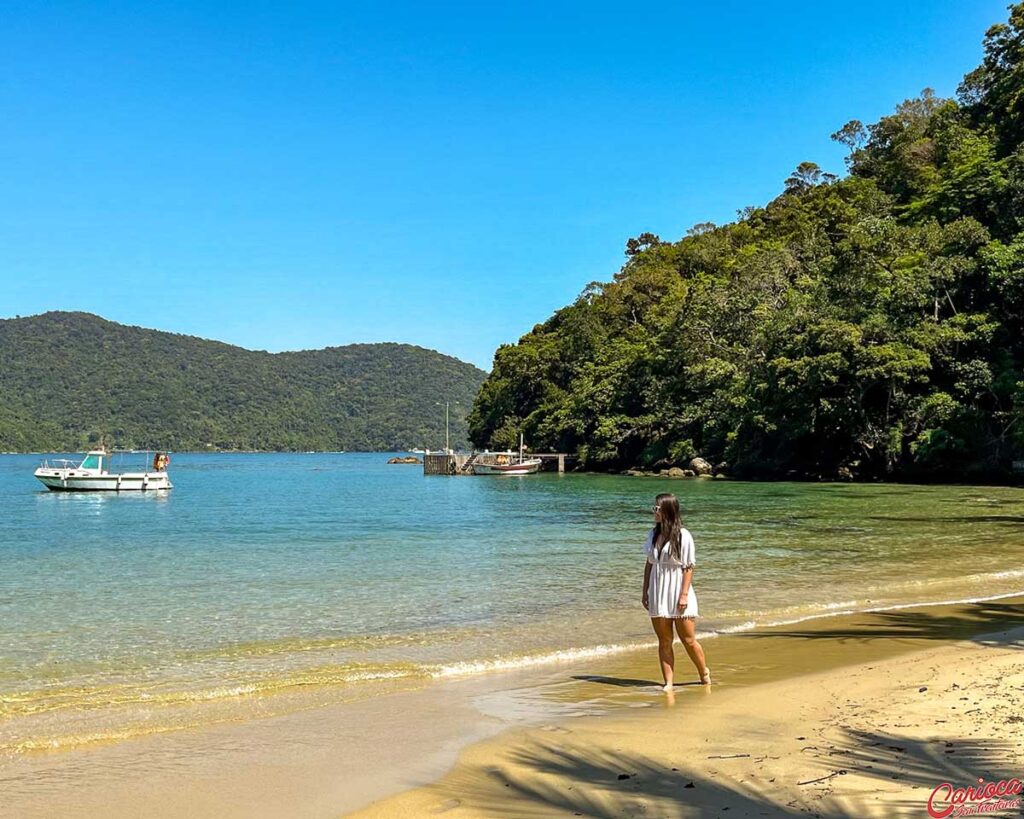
column 670, row 528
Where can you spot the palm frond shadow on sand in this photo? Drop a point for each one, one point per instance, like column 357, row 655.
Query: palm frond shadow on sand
column 566, row 779
column 918, row 765
column 984, row 619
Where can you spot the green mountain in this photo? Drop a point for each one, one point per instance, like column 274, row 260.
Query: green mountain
column 868, row 326
column 69, row 379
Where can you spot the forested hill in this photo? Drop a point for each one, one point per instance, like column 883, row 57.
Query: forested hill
column 865, row 326
column 68, row 379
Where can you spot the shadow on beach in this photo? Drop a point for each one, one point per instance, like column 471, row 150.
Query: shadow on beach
column 628, row 682
column 976, row 621
column 918, row 764
column 542, row 779
column 622, row 682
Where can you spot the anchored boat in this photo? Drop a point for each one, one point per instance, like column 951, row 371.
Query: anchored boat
column 92, row 475
column 505, row 464
column 524, row 467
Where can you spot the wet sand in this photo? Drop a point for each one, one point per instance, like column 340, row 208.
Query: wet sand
column 924, row 704
column 790, row 704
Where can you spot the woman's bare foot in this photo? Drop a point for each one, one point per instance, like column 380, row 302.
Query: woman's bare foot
column 667, row 687
column 705, row 678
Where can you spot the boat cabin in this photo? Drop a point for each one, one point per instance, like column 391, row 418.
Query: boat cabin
column 95, row 461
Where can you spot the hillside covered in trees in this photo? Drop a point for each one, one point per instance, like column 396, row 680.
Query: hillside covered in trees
column 68, row 380
column 866, row 326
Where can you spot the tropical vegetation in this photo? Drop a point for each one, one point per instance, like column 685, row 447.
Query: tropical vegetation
column 868, row 326
column 73, row 380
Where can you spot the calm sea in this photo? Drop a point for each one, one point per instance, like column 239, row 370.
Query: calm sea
column 264, row 583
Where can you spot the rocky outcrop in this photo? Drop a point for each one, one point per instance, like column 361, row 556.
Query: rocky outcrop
column 405, row 460
column 700, row 466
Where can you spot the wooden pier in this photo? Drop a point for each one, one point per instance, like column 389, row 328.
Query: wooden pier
column 460, row 463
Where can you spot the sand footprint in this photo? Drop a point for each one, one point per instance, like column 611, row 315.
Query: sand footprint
column 447, row 805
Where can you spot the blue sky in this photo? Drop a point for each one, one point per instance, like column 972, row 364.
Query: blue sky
column 296, row 175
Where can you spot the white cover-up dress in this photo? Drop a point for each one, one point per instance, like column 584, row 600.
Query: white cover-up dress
column 666, row 581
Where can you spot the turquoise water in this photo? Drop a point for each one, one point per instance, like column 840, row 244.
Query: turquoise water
column 322, row 576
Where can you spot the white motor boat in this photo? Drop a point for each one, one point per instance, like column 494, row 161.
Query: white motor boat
column 92, row 475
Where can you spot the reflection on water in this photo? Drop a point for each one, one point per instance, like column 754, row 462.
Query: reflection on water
column 98, row 499
column 337, row 573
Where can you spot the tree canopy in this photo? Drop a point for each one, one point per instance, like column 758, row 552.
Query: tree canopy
column 71, row 380
column 870, row 325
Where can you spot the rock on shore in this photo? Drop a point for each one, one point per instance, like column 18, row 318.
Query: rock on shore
column 700, row 466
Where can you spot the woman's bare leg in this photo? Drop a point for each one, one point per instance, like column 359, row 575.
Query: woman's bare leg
column 667, row 657
column 687, row 629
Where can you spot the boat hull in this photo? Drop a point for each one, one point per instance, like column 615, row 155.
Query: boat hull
column 524, row 468
column 137, row 482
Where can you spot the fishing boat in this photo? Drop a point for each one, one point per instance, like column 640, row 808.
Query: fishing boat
column 505, row 463
column 525, row 467
column 92, row 474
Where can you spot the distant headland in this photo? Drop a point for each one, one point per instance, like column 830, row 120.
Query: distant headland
column 70, row 380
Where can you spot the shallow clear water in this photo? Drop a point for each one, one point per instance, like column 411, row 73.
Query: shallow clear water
column 323, row 575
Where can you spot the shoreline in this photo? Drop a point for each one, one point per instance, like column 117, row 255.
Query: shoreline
column 236, row 702
column 1010, row 480
column 875, row 739
column 329, row 760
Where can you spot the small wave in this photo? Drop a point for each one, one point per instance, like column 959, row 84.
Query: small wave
column 836, row 609
column 843, row 605
column 65, row 742
column 1005, row 574
column 303, row 644
column 87, row 699
column 468, row 667
column 747, row 626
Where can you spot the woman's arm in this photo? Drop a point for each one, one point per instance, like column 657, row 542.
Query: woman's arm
column 684, row 592
column 647, row 582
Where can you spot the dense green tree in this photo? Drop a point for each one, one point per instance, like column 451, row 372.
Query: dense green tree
column 871, row 325
column 71, row 380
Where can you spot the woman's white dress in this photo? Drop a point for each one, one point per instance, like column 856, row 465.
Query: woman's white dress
column 666, row 581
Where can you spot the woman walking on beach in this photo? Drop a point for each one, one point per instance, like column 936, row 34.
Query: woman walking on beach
column 668, row 588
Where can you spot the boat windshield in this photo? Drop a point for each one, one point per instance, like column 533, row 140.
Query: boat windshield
column 91, row 462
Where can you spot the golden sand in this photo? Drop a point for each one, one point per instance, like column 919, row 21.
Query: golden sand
column 919, row 707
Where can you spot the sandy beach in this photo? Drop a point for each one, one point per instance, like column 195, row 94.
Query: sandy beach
column 870, row 739
column 860, row 714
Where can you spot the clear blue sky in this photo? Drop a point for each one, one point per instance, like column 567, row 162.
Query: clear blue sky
column 296, row 175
